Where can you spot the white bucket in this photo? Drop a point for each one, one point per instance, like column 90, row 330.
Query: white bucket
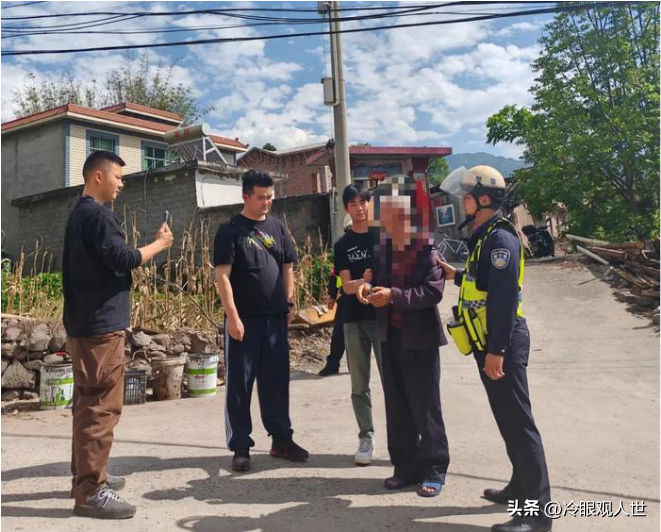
column 56, row 387
column 201, row 372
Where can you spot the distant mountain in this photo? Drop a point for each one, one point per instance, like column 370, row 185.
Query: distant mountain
column 504, row 165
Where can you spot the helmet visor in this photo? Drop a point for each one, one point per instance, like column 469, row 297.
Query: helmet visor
column 457, row 183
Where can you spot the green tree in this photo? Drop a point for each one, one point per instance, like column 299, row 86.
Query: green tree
column 139, row 81
column 437, row 171
column 269, row 147
column 592, row 134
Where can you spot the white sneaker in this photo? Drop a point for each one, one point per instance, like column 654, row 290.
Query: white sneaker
column 365, row 452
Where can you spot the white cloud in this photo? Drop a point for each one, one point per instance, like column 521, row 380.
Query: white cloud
column 518, row 28
column 13, row 78
column 423, row 85
column 293, row 125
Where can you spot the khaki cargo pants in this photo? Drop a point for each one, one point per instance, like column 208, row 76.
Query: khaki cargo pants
column 98, row 395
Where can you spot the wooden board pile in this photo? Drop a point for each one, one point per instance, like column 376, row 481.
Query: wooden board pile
column 634, row 265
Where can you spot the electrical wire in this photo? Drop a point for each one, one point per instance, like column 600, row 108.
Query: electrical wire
column 569, row 8
column 275, row 20
column 252, row 9
column 24, row 4
column 16, row 33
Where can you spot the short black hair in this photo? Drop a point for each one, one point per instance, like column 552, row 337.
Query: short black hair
column 255, row 178
column 352, row 192
column 98, row 158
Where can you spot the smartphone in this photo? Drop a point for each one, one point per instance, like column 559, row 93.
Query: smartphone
column 167, row 218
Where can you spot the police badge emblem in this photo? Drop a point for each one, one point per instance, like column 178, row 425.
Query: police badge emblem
column 500, row 258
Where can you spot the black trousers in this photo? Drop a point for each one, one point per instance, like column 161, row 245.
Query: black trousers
column 510, row 403
column 417, row 442
column 337, row 339
column 263, row 355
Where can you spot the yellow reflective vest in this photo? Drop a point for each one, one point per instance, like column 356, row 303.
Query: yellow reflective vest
column 472, row 309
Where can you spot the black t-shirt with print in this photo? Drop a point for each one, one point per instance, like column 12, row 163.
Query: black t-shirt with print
column 353, row 252
column 257, row 252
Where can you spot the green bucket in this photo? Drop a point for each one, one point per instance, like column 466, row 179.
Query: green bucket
column 56, row 386
column 201, row 372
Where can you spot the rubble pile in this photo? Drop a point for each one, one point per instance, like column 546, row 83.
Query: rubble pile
column 632, row 269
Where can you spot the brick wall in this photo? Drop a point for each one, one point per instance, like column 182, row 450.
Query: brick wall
column 301, row 179
column 43, row 217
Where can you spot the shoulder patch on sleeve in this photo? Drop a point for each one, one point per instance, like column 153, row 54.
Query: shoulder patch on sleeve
column 500, row 258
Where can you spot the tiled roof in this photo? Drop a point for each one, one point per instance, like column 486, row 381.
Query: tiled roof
column 73, row 110
column 142, row 109
column 228, row 142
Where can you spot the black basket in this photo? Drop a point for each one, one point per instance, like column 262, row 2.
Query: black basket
column 135, row 387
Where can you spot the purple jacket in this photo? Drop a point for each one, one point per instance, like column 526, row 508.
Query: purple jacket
column 422, row 328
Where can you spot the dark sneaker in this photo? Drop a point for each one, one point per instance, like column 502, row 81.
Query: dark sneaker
column 113, row 482
column 329, row 370
column 241, row 460
column 105, row 504
column 289, row 451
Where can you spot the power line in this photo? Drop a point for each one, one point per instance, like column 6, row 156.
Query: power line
column 573, row 7
column 74, row 25
column 291, row 22
column 253, row 9
column 15, row 32
column 274, row 20
column 230, row 14
column 22, row 5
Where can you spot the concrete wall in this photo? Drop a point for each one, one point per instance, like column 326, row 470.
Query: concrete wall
column 143, row 201
column 33, row 160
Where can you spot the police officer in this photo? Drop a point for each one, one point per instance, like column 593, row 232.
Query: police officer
column 490, row 314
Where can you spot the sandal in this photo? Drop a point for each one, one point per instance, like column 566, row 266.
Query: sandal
column 429, row 484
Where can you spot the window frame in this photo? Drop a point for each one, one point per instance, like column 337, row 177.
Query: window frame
column 144, row 145
column 102, row 135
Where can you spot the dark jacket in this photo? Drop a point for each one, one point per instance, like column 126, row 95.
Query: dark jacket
column 96, row 271
column 422, row 328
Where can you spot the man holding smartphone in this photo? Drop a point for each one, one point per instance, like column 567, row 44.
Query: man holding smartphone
column 96, row 278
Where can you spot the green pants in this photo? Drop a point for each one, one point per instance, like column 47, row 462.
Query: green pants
column 361, row 337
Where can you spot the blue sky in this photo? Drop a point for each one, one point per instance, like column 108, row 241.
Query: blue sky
column 424, row 86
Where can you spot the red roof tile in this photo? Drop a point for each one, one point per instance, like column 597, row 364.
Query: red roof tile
column 228, row 142
column 111, row 117
column 142, row 109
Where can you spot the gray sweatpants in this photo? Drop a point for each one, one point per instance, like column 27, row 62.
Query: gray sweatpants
column 361, row 337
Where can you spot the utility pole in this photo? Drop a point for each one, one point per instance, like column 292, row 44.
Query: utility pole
column 339, row 103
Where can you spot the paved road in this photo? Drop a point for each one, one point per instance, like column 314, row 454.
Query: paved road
column 594, row 375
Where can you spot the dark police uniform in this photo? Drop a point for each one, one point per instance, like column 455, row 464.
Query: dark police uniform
column 498, row 272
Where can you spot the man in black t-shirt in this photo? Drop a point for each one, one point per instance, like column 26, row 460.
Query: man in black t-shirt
column 253, row 256
column 353, row 261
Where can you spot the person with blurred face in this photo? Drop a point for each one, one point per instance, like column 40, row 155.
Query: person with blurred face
column 254, row 255
column 407, row 287
column 96, row 278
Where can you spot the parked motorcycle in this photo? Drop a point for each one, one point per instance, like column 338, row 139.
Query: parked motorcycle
column 540, row 240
